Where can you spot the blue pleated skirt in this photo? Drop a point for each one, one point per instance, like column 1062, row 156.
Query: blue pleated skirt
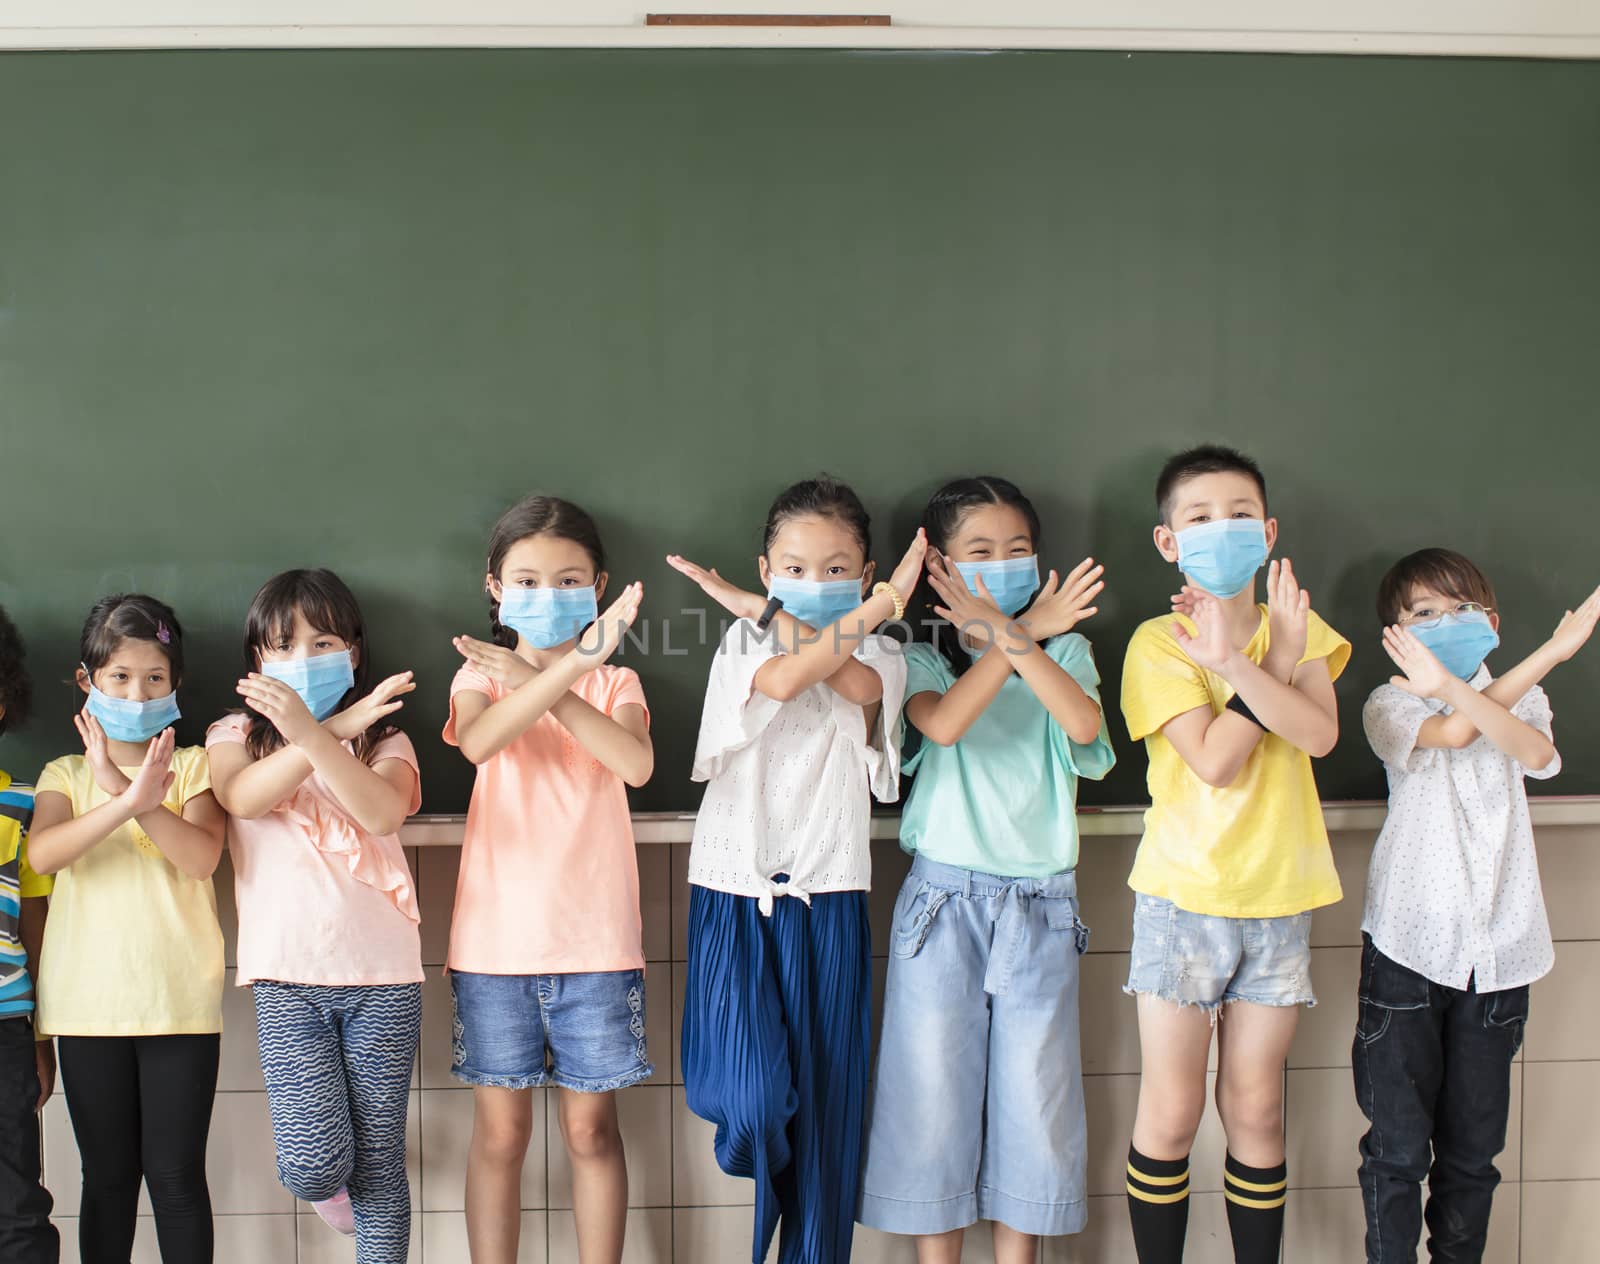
column 776, row 1053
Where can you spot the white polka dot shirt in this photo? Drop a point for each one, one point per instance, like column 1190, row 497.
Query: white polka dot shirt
column 1453, row 890
column 790, row 784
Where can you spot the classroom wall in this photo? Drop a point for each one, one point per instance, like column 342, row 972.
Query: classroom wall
column 687, row 1212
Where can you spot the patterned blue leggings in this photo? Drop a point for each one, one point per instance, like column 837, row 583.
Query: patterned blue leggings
column 337, row 1062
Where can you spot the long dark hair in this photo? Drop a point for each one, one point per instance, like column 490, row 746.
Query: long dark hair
column 538, row 515
column 324, row 601
column 820, row 497
column 941, row 520
column 130, row 617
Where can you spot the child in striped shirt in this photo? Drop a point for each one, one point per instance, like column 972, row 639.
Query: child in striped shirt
column 27, row 1064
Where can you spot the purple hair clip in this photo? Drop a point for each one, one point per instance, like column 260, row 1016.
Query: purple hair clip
column 162, row 633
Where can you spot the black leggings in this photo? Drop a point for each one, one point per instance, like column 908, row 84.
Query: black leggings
column 141, row 1108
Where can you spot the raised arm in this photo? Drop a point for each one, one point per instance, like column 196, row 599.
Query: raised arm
column 829, row 655
column 815, row 657
column 1010, row 645
column 249, row 788
column 1425, row 677
column 1459, row 729
column 1214, row 746
column 1291, row 699
column 484, row 728
column 59, row 838
column 621, row 740
column 1060, row 606
column 190, row 838
column 377, row 798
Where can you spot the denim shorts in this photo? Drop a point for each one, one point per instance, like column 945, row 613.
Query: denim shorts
column 583, row 1032
column 1193, row 959
column 977, row 1111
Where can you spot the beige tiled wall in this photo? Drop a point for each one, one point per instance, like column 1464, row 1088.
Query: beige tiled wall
column 686, row 1210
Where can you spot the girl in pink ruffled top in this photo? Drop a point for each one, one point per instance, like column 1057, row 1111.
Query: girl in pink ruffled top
column 317, row 781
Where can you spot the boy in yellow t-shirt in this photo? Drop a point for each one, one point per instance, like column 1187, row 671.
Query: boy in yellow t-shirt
column 1232, row 700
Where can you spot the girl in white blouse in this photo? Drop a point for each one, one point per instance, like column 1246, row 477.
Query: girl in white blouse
column 799, row 732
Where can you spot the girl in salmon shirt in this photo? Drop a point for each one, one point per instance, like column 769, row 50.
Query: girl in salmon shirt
column 317, row 781
column 546, row 968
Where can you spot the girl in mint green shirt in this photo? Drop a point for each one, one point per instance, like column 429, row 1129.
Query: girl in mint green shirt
column 979, row 1066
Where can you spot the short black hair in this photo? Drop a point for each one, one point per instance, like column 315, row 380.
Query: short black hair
column 1208, row 458
column 16, row 686
column 1442, row 570
column 820, row 497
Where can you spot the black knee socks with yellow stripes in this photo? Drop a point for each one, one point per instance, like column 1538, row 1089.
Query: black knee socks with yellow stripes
column 1255, row 1197
column 1158, row 1205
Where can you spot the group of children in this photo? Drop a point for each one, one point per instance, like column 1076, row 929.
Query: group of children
column 976, row 1111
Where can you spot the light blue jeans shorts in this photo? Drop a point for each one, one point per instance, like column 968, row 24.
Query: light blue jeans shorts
column 584, row 1032
column 1193, row 959
column 977, row 1112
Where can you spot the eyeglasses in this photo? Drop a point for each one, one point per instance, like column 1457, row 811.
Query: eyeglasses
column 1429, row 618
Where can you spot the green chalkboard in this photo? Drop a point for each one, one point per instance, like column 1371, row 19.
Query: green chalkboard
column 265, row 309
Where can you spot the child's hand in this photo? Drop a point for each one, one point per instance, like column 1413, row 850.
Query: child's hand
column 974, row 616
column 735, row 600
column 107, row 775
column 1288, row 616
column 1425, row 676
column 1062, row 604
column 148, row 789
column 361, row 715
column 1575, row 628
column 44, row 1061
column 1212, row 647
column 280, row 704
column 906, row 574
column 602, row 637
column 499, row 664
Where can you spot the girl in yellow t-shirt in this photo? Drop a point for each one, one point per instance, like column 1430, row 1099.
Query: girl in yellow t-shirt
column 130, row 977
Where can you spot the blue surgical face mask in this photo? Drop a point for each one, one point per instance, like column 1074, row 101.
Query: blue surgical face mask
column 320, row 680
column 1010, row 582
column 1460, row 641
column 816, row 603
column 546, row 617
column 1223, row 556
column 125, row 720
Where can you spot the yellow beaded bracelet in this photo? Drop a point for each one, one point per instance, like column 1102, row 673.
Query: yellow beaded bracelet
column 894, row 593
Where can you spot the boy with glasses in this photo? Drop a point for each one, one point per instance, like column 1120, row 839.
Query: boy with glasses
column 1454, row 929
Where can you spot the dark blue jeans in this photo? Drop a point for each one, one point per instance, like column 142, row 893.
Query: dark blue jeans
column 26, row 1234
column 1433, row 1077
